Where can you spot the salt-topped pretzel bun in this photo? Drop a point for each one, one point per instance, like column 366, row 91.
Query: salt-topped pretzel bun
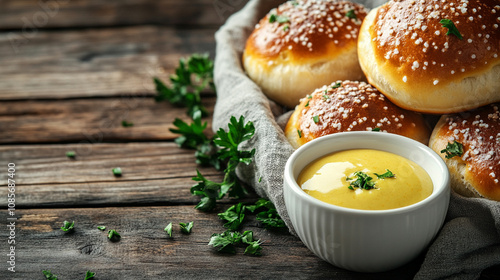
column 302, row 45
column 351, row 106
column 475, row 172
column 405, row 51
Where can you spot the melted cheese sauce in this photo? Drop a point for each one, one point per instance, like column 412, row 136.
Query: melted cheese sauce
column 325, row 179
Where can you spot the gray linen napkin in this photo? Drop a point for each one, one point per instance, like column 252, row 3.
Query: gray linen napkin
column 470, row 239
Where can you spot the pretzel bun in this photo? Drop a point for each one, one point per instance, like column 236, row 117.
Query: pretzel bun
column 302, row 45
column 406, row 53
column 352, row 106
column 476, row 173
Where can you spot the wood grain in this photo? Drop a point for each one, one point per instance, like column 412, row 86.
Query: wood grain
column 118, row 61
column 17, row 14
column 92, row 120
column 145, row 252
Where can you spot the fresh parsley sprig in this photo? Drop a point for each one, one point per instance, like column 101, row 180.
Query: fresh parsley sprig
column 68, row 227
column 452, row 29
column 267, row 214
column 453, row 149
column 362, row 181
column 190, row 79
column 226, row 241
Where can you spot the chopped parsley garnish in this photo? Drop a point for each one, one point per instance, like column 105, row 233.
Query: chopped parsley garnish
column 49, row 275
column 351, row 14
column 71, row 154
column 168, row 229
column 186, row 227
column 89, row 275
column 286, row 27
column 67, row 226
column 361, row 181
column 336, row 85
column 453, row 149
column 278, row 18
column 325, row 96
column 226, row 241
column 117, row 171
column 127, row 124
column 101, row 228
column 452, row 29
column 234, row 216
column 113, row 235
column 268, row 217
column 307, row 104
column 315, row 119
column 376, row 129
column 190, row 79
column 299, row 132
column 387, row 174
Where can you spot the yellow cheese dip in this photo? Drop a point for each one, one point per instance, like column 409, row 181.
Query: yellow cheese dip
column 325, row 179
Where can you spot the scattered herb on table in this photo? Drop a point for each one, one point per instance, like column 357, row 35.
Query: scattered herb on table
column 453, row 149
column 186, row 227
column 67, row 226
column 49, row 275
column 117, row 171
column 226, row 241
column 452, row 29
column 234, row 216
column 168, row 229
column 113, row 235
column 190, row 79
column 127, row 124
column 101, row 228
column 387, row 174
column 89, row 275
column 70, row 154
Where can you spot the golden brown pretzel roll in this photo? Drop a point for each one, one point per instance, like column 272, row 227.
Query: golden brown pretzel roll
column 302, row 45
column 406, row 53
column 352, row 106
column 476, row 172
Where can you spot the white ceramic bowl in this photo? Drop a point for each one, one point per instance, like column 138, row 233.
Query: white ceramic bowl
column 366, row 240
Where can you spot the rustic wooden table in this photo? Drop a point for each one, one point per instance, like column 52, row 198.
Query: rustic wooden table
column 70, row 72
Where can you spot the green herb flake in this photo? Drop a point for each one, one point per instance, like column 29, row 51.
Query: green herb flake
column 387, row 174
column 315, row 119
column 376, row 129
column 351, row 14
column 336, row 85
column 70, row 154
column 127, row 124
column 89, row 275
column 113, row 235
column 326, row 97
column 453, row 149
column 101, row 228
column 299, row 132
column 234, row 216
column 286, row 27
column 307, row 104
column 278, row 18
column 168, row 229
column 452, row 29
column 361, row 180
column 67, row 226
column 49, row 275
column 117, row 171
column 186, row 228
column 226, row 242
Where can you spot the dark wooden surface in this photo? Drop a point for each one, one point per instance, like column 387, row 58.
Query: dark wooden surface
column 70, row 72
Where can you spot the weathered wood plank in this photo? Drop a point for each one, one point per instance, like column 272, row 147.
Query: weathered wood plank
column 48, row 164
column 95, row 62
column 144, row 251
column 91, row 120
column 29, row 14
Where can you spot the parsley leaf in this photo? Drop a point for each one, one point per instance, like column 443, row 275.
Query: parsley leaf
column 253, row 247
column 234, row 216
column 387, row 174
column 453, row 149
column 278, row 18
column 336, row 85
column 363, row 181
column 452, row 29
column 186, row 228
column 190, row 79
column 117, row 171
column 226, row 241
column 71, row 154
column 191, row 134
column 127, row 124
column 101, row 228
column 67, row 226
column 299, row 132
column 168, row 229
column 351, row 14
column 113, row 235
column 89, row 275
column 49, row 275
column 269, row 217
column 376, row 129
column 315, row 119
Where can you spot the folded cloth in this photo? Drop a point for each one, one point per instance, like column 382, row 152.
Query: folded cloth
column 470, row 239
